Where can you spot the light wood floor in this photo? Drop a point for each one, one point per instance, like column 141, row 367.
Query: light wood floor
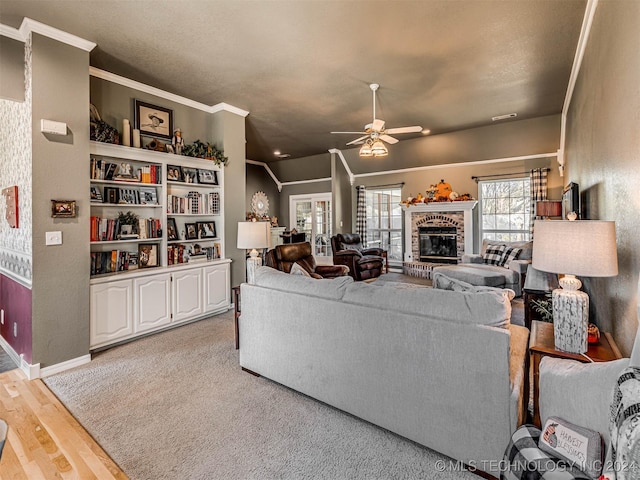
column 44, row 440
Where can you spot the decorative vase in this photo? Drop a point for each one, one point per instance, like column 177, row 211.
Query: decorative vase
column 126, row 229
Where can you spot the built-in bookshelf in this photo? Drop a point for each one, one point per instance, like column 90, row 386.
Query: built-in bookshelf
column 169, row 266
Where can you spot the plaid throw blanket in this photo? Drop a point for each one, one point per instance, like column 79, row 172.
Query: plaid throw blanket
column 523, row 460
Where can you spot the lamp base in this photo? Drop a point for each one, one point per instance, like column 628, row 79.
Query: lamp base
column 570, row 320
column 252, row 265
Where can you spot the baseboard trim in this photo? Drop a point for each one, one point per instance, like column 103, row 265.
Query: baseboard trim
column 31, row 371
column 66, row 365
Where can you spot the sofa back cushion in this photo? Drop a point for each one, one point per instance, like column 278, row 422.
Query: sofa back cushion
column 443, row 282
column 491, row 308
column 349, row 241
column 330, row 288
column 525, row 254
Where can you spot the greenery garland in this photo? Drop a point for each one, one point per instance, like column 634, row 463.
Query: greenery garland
column 207, row 151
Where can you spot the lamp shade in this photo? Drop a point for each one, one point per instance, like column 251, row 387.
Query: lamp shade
column 378, row 149
column 549, row 208
column 586, row 248
column 365, row 150
column 253, row 235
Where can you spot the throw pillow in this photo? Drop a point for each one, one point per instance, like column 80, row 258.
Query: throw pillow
column 493, row 254
column 510, row 254
column 575, row 445
column 298, row 270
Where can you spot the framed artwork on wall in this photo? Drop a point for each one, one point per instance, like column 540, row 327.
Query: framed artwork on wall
column 11, row 205
column 63, row 208
column 153, row 120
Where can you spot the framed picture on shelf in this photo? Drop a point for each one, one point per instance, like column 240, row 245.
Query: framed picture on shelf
column 174, row 173
column 191, row 230
column 189, row 175
column 206, row 229
column 96, row 196
column 148, row 196
column 63, row 208
column 153, row 120
column 147, row 255
column 172, row 229
column 208, row 177
column 111, row 194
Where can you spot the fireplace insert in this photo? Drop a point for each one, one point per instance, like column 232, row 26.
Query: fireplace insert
column 438, row 244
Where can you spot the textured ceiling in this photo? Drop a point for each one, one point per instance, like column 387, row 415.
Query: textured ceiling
column 302, row 68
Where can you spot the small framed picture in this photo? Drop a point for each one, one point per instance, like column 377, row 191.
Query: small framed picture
column 148, row 196
column 147, row 255
column 206, row 229
column 153, row 120
column 189, row 175
column 174, row 173
column 191, row 231
column 96, row 196
column 63, row 208
column 172, row 229
column 208, row 177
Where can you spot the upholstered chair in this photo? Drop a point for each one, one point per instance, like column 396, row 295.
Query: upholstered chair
column 363, row 263
column 282, row 258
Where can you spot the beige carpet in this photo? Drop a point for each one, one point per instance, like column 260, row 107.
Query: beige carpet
column 176, row 405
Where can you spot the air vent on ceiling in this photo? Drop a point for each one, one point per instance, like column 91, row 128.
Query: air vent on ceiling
column 502, row 117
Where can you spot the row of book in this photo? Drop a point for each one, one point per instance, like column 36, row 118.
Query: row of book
column 113, row 261
column 177, row 254
column 133, row 196
column 109, row 229
column 194, row 203
column 124, row 172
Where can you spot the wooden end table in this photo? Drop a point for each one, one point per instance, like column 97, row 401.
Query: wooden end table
column 541, row 343
column 236, row 313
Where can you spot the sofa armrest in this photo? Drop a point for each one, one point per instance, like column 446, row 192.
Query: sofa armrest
column 347, row 254
column 330, row 271
column 519, row 266
column 372, row 251
column 580, row 393
column 472, row 258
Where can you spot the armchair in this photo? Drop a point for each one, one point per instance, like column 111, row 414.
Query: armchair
column 363, row 263
column 282, row 258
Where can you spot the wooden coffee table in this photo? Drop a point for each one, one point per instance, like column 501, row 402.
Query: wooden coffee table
column 541, row 343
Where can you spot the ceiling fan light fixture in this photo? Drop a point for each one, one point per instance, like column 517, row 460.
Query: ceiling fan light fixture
column 425, row 131
column 378, row 149
column 365, row 150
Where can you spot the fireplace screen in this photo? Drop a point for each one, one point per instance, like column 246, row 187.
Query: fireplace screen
column 438, row 244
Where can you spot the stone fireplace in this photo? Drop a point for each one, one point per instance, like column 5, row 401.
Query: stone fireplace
column 437, row 233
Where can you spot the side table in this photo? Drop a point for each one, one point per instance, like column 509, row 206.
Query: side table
column 541, row 343
column 536, row 286
column 236, row 313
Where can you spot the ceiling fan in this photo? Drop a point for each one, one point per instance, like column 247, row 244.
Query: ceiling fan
column 375, row 133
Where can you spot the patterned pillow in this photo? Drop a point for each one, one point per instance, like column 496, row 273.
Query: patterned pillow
column 510, row 254
column 493, row 254
column 296, row 269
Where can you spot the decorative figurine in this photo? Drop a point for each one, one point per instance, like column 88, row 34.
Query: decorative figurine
column 177, row 142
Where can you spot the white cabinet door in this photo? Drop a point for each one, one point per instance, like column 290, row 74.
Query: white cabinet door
column 187, row 294
column 152, row 301
column 111, row 316
column 216, row 287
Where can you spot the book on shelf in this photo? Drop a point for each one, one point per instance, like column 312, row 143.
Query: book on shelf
column 113, row 261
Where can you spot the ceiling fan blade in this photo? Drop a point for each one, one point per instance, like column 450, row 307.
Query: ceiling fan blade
column 388, row 139
column 414, row 129
column 378, row 125
column 351, row 133
column 358, row 140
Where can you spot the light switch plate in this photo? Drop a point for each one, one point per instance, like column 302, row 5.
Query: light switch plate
column 55, row 128
column 53, row 238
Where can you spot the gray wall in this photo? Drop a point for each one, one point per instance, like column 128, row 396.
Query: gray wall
column 603, row 156
column 60, row 299
column 12, row 69
column 341, row 199
column 258, row 180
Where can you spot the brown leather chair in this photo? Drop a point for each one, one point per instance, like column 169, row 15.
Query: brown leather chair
column 363, row 263
column 282, row 258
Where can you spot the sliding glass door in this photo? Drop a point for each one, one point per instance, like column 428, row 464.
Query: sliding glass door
column 311, row 215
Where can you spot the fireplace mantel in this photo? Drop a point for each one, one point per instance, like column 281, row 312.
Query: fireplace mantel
column 440, row 207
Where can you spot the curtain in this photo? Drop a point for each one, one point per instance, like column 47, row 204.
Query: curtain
column 361, row 214
column 538, row 177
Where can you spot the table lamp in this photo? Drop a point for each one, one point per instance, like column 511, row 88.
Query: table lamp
column 253, row 235
column 583, row 247
column 548, row 208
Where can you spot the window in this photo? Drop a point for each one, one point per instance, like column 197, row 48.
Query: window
column 505, row 209
column 384, row 222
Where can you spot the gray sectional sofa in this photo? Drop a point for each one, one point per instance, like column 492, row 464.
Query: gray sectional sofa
column 442, row 368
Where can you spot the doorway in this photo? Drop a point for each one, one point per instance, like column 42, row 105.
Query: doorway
column 311, row 215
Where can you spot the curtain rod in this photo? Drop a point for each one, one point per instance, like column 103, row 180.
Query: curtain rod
column 476, row 178
column 397, row 184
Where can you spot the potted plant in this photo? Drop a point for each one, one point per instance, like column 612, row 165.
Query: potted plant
column 127, row 221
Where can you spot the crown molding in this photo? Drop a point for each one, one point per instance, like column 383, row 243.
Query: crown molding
column 269, row 171
column 10, row 32
column 32, row 26
column 143, row 87
column 335, row 151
